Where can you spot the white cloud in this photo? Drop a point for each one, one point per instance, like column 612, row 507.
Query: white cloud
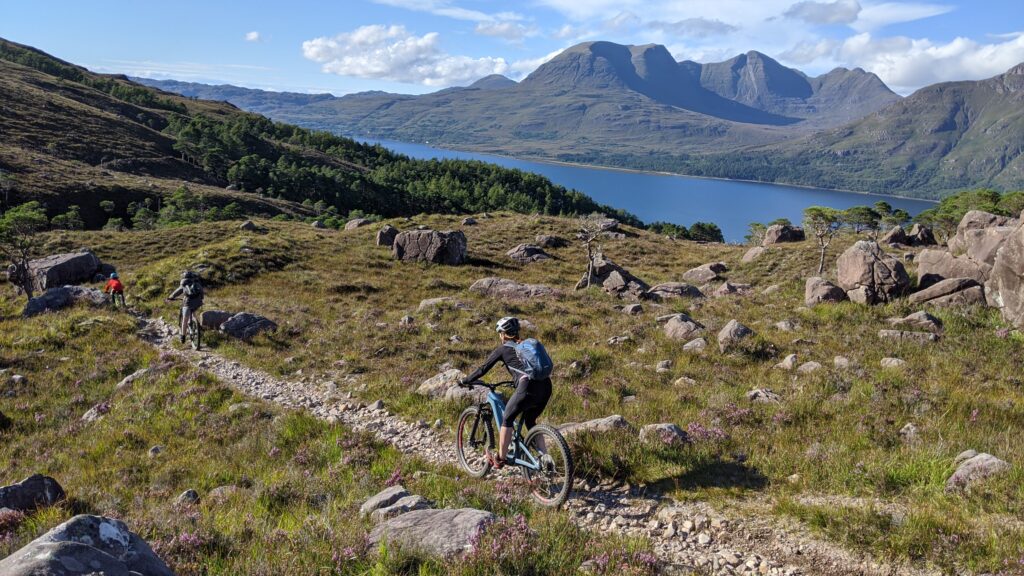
column 253, row 36
column 838, row 12
column 521, row 68
column 810, row 52
column 449, row 9
column 511, row 31
column 393, row 53
column 878, row 16
column 906, row 64
column 694, row 27
column 622, row 20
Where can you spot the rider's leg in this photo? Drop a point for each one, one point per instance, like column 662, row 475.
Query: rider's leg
column 186, row 314
column 504, row 437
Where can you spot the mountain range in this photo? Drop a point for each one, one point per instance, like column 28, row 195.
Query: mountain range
column 747, row 117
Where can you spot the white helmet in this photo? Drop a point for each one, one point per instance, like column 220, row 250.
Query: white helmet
column 508, row 325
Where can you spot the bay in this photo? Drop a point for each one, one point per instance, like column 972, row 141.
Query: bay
column 730, row 204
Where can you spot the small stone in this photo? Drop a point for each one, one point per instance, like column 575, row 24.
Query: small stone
column 664, row 366
column 786, row 325
column 892, row 363
column 695, row 345
column 909, row 432
column 793, row 478
column 18, row 380
column 763, row 396
column 187, row 498
column 808, row 367
column 438, row 423
column 841, row 362
column 685, row 381
column 616, row 340
column 378, row 405
column 155, row 450
column 704, row 539
column 788, row 363
column 407, row 321
column 632, row 309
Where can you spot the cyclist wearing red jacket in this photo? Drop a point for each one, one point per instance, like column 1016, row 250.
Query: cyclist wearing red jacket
column 115, row 289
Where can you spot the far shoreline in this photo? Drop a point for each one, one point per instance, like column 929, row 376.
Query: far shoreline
column 553, row 162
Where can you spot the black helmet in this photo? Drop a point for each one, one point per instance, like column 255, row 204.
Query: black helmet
column 188, row 275
column 508, row 325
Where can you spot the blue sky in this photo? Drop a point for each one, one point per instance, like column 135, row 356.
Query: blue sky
column 416, row 46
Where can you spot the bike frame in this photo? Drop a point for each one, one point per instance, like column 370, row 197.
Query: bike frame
column 519, row 449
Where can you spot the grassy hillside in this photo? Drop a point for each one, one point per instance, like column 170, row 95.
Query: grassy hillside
column 76, row 138
column 824, row 454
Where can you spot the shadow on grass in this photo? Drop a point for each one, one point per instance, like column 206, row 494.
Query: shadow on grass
column 477, row 261
column 714, row 474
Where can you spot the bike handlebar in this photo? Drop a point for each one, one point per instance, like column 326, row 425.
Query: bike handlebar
column 492, row 387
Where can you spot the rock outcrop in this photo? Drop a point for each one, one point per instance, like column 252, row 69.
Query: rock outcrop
column 613, row 279
column 512, row 290
column 753, row 254
column 972, row 221
column 447, row 247
column 526, row 253
column 62, row 297
column 921, row 236
column 896, row 235
column 869, row 275
column 818, row 290
column 935, row 265
column 777, row 233
column 950, row 292
column 705, row 273
column 441, row 533
column 357, row 223
column 63, row 269
column 386, row 235
column 1005, row 288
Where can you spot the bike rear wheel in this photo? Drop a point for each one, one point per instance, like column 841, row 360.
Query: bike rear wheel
column 472, row 444
column 551, row 485
column 195, row 333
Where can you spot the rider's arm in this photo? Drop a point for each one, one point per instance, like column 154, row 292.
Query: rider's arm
column 486, row 367
column 175, row 294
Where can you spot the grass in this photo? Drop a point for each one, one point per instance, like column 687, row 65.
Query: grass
column 298, row 481
column 339, row 300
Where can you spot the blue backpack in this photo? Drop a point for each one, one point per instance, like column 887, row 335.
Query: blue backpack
column 537, row 364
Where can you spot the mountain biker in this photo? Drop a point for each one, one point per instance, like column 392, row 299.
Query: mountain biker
column 191, row 290
column 115, row 289
column 530, row 397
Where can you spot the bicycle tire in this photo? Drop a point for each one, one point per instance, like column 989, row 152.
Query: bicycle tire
column 474, row 469
column 552, row 435
column 195, row 333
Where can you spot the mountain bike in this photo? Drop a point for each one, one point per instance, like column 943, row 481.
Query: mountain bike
column 116, row 297
column 193, row 332
column 543, row 456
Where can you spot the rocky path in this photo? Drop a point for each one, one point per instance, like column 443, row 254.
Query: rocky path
column 741, row 538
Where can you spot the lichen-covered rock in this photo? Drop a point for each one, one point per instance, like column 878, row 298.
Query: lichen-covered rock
column 730, row 289
column 438, row 385
column 34, row 492
column 246, row 326
column 921, row 236
column 920, row 320
column 682, row 327
column 441, row 533
column 448, row 247
column 908, row 336
column 213, row 319
column 1005, row 288
column 973, row 467
column 664, row 433
column 383, row 499
column 441, row 302
column 753, row 254
column 869, row 275
column 705, row 273
column 975, row 220
column 550, row 241
column 357, row 223
column 732, row 335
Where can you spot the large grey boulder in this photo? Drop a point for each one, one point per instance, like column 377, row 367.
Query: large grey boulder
column 975, row 220
column 386, row 235
column 441, row 533
column 613, row 279
column 383, row 499
column 357, row 223
column 973, row 467
column 777, row 233
column 62, row 297
column 682, row 327
column 84, row 545
column 526, row 253
column 950, row 292
column 550, row 241
column 753, row 254
column 668, row 290
column 935, row 265
column 511, row 290
column 448, row 247
column 606, row 424
column 869, row 275
column 982, row 244
column 401, row 506
column 438, row 385
column 245, row 325
column 732, row 334
column 213, row 319
column 896, row 235
column 61, row 269
column 1005, row 288
column 34, row 492
column 921, row 236
column 818, row 290
column 705, row 272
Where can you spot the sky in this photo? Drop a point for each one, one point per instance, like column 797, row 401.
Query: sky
column 417, row 46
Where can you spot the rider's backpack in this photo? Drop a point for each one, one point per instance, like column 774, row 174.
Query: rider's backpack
column 537, row 364
column 192, row 289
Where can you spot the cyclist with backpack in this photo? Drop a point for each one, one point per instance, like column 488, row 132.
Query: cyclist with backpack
column 191, row 291
column 115, row 288
column 530, row 366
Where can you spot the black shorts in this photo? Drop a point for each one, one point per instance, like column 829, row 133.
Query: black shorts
column 529, row 399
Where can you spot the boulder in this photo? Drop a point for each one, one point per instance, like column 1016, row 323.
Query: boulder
column 732, row 335
column 950, row 292
column 1005, row 288
column 632, row 309
column 753, row 254
column 62, row 269
column 447, row 247
column 669, row 290
column 777, row 233
column 786, row 325
column 84, row 545
column 442, row 302
column 511, row 290
column 248, row 226
column 550, row 241
column 606, row 424
column 705, row 273
column 383, row 499
column 386, row 235
column 526, row 253
column 438, row 385
column 869, row 275
column 403, row 505
column 440, row 533
column 469, row 221
column 613, row 279
column 921, row 236
column 664, row 433
column 357, row 223
column 972, row 467
column 895, row 236
column 818, row 290
column 318, row 224
column 187, row 498
column 682, row 327
column 245, row 325
column 920, row 320
column 808, row 367
column 935, row 265
column 695, row 345
column 908, row 336
column 763, row 396
column 608, row 225
column 975, row 220
column 213, row 319
column 730, row 289
column 788, row 363
column 33, row 492
column 982, row 244
column 62, row 297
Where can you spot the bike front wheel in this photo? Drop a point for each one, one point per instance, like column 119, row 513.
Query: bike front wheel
column 551, row 482
column 195, row 333
column 474, row 436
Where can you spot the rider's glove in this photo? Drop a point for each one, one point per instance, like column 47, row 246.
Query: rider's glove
column 463, row 383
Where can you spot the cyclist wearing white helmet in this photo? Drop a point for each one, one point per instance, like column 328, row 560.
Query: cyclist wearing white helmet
column 530, row 397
